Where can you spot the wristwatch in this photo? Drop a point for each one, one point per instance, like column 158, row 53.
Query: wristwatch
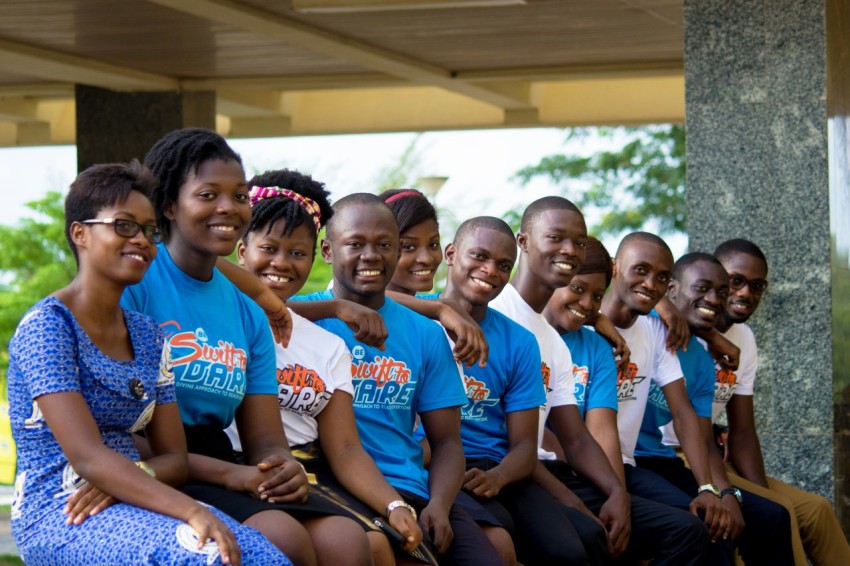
column 393, row 505
column 709, row 487
column 733, row 491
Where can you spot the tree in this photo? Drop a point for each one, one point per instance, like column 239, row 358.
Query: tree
column 641, row 181
column 34, row 262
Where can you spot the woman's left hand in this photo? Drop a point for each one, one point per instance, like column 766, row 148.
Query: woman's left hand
column 288, row 484
column 86, row 502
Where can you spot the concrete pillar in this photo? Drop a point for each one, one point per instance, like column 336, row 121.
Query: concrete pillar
column 119, row 126
column 758, row 168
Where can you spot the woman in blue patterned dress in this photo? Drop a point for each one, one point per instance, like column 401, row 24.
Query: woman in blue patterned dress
column 84, row 375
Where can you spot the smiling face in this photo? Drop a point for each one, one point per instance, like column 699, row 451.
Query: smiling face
column 571, row 306
column 211, row 211
column 642, row 273
column 124, row 260
column 364, row 251
column 282, row 263
column 700, row 294
column 743, row 302
column 480, row 265
column 554, row 246
column 420, row 257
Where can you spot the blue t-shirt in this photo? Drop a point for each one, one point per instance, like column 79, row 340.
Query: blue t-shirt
column 416, row 373
column 698, row 369
column 594, row 370
column 221, row 345
column 510, row 382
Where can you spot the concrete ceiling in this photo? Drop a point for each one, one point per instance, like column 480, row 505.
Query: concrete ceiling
column 277, row 71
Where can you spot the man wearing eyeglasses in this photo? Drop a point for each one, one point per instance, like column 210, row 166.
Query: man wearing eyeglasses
column 821, row 535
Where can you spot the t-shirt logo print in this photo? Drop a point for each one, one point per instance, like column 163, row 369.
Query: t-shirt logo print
column 627, row 383
column 300, row 389
column 581, row 376
column 201, row 365
column 724, row 385
column 478, row 395
column 547, row 373
column 383, row 382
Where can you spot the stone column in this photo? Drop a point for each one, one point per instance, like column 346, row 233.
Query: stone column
column 119, row 126
column 758, row 168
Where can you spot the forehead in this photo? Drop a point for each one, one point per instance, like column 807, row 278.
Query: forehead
column 367, row 220
column 136, row 205
column 494, row 242
column 425, row 229
column 708, row 271
column 744, row 264
column 640, row 251
column 216, row 168
column 560, row 220
column 593, row 281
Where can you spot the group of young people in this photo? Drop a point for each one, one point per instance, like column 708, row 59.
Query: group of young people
column 551, row 405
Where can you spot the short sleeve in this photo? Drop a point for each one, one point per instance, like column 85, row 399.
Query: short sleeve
column 260, row 377
column 602, row 390
column 667, row 366
column 525, row 389
column 702, row 397
column 44, row 349
column 165, row 392
column 339, row 366
column 749, row 361
column 562, row 380
column 442, row 388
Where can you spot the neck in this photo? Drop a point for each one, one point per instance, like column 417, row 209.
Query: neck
column 477, row 312
column 397, row 289
column 724, row 323
column 193, row 263
column 617, row 311
column 553, row 321
column 531, row 289
column 373, row 302
column 92, row 298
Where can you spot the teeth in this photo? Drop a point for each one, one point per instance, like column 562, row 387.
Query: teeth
column 577, row 314
column 137, row 257
column 277, row 278
column 644, row 296
column 224, row 228
column 423, row 273
column 706, row 310
column 481, row 283
column 566, row 266
column 369, row 272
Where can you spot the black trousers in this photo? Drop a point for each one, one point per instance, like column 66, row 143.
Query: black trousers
column 545, row 531
column 660, row 533
column 767, row 536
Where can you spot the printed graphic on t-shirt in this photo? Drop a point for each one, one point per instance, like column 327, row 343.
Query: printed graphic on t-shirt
column 300, row 389
column 382, row 382
column 656, row 397
column 478, row 395
column 201, row 363
column 544, row 369
column 581, row 375
column 724, row 385
column 627, row 383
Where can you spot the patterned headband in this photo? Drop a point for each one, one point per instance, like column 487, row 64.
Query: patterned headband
column 256, row 194
column 402, row 194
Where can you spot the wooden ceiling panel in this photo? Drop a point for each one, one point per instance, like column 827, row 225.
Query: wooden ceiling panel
column 151, row 38
column 541, row 33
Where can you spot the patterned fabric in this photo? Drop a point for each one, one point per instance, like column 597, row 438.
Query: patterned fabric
column 256, row 194
column 50, row 353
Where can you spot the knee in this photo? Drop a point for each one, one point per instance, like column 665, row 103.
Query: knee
column 339, row 541
column 286, row 534
column 382, row 552
column 502, row 542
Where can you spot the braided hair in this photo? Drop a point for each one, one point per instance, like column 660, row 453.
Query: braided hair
column 175, row 156
column 266, row 212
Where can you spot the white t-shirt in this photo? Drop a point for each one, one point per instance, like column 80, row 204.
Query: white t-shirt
column 314, row 365
column 650, row 360
column 742, row 380
column 557, row 364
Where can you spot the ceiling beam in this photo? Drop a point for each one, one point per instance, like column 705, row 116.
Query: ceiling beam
column 52, row 65
column 338, row 46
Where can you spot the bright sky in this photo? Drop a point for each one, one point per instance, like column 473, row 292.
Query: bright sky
column 479, row 166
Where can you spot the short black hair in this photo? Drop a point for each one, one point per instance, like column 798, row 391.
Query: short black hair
column 643, row 237
column 488, row 222
column 687, row 260
column 269, row 210
column 410, row 208
column 177, row 154
column 739, row 246
column 541, row 205
column 354, row 199
column 597, row 260
column 101, row 186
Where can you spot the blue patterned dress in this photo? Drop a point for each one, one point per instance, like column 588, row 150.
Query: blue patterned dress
column 51, row 353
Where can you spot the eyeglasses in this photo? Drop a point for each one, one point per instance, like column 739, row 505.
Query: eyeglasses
column 738, row 282
column 129, row 228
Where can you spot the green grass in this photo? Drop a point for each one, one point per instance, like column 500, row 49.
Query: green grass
column 10, row 560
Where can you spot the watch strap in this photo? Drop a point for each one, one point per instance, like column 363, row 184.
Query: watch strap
column 710, row 487
column 393, row 505
column 733, row 491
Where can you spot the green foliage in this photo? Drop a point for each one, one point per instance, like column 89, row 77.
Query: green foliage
column 34, row 262
column 405, row 171
column 642, row 180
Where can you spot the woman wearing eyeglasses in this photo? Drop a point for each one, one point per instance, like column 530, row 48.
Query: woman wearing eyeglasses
column 84, row 375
